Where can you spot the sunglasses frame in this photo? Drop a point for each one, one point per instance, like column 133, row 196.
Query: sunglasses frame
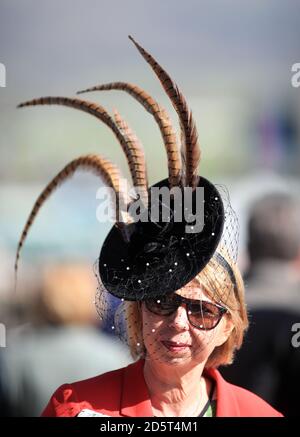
column 180, row 300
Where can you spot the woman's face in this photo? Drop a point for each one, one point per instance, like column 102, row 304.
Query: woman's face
column 172, row 338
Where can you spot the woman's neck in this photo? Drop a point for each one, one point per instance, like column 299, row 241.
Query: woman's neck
column 175, row 390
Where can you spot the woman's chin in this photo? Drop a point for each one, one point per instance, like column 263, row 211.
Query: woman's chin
column 177, row 357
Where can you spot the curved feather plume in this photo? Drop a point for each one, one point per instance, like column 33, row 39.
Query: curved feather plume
column 135, row 156
column 187, row 124
column 99, row 165
column 161, row 117
column 130, row 137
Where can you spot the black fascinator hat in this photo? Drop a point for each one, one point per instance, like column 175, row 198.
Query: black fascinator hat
column 164, row 235
column 159, row 256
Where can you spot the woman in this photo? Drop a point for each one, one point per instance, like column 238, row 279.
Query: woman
column 183, row 309
column 183, row 339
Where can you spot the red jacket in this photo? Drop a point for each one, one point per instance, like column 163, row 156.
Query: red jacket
column 123, row 392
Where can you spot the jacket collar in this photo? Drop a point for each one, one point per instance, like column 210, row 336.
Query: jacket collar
column 227, row 405
column 135, row 399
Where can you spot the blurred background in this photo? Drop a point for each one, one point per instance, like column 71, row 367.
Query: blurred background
column 232, row 60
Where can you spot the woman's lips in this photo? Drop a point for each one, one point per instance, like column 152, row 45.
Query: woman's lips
column 175, row 346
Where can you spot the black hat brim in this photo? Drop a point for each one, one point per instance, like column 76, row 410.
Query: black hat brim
column 161, row 257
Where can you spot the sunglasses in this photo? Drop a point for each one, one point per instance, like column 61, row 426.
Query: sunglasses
column 201, row 314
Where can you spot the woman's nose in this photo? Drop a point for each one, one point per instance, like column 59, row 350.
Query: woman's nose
column 179, row 319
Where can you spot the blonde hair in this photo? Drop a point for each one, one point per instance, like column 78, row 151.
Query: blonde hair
column 216, row 281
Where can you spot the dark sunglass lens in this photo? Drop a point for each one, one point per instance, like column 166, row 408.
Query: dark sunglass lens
column 161, row 306
column 204, row 315
column 210, row 310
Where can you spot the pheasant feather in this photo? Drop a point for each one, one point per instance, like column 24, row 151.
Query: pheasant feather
column 161, row 117
column 102, row 167
column 187, row 124
column 135, row 156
